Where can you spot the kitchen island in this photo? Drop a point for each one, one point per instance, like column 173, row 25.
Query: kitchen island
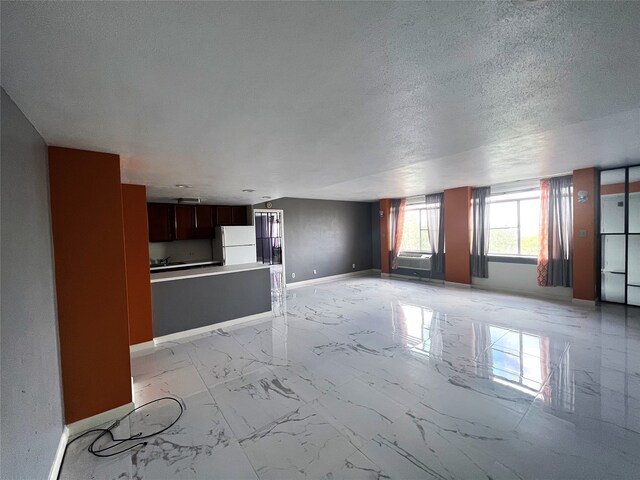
column 189, row 299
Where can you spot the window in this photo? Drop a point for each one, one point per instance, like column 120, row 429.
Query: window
column 514, row 224
column 416, row 234
column 516, row 359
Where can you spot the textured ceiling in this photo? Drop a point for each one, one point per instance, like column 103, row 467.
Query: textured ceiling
column 353, row 101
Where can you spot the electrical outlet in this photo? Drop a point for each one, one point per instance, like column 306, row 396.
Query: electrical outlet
column 293, row 275
column 353, row 265
column 314, row 271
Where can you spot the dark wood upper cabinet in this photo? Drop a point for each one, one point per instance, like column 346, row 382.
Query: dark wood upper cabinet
column 161, row 222
column 238, row 215
column 169, row 222
column 223, row 216
column 204, row 221
column 185, row 222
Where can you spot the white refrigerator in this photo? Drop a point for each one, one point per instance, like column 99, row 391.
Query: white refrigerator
column 235, row 245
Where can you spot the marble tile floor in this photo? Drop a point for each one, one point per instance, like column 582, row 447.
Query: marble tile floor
column 370, row 378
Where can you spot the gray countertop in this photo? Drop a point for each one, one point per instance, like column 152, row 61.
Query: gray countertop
column 204, row 272
column 179, row 265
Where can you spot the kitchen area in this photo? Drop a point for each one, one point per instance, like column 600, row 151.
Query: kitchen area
column 204, row 269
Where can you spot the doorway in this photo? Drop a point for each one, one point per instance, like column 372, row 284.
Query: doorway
column 269, row 226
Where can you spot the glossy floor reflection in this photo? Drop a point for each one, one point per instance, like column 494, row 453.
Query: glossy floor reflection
column 378, row 378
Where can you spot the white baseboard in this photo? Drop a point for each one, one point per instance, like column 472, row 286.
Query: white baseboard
column 330, row 278
column 457, row 284
column 522, row 293
column 81, row 426
column 141, row 346
column 584, row 303
column 57, row 461
column 411, row 277
column 209, row 328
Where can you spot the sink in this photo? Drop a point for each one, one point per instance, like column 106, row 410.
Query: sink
column 170, row 264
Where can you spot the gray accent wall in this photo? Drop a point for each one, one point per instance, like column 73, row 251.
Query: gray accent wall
column 31, row 411
column 326, row 235
column 375, row 235
column 187, row 303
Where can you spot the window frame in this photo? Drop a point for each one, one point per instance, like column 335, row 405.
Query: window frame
column 517, row 257
column 418, row 207
column 519, row 384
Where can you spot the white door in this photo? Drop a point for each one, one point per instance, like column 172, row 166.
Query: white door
column 239, row 255
column 239, row 235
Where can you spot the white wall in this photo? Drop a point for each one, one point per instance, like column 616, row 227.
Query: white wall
column 181, row 250
column 31, row 403
column 519, row 278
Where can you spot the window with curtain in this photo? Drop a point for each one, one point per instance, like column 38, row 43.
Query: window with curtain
column 416, row 231
column 514, row 224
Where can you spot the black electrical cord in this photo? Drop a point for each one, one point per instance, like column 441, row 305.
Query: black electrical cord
column 100, row 452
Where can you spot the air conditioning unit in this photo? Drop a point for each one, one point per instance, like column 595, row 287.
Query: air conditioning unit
column 414, row 261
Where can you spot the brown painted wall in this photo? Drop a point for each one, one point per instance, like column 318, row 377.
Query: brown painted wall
column 136, row 242
column 457, row 202
column 385, row 240
column 91, row 285
column 584, row 248
column 618, row 188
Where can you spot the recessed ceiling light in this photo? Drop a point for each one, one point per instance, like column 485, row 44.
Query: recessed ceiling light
column 248, row 190
column 182, row 185
column 266, row 197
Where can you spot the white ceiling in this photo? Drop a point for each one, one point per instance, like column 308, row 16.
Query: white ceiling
column 350, row 101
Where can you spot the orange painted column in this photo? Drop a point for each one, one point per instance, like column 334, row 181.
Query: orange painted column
column 385, row 236
column 457, row 204
column 136, row 243
column 585, row 234
column 91, row 283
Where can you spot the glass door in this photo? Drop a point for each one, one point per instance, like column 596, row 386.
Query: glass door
column 633, row 238
column 620, row 235
column 268, row 237
column 613, row 270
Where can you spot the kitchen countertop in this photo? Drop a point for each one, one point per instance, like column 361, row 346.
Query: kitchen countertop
column 174, row 266
column 204, row 272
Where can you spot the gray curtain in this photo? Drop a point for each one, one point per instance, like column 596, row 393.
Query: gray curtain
column 435, row 226
column 560, row 232
column 480, row 241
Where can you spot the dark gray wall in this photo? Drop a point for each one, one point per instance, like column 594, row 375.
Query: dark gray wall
column 375, row 235
column 32, row 419
column 326, row 235
column 188, row 303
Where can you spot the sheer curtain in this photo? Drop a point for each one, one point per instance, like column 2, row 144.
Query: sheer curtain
column 397, row 228
column 556, row 229
column 543, row 253
column 481, row 340
column 480, row 241
column 435, row 226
